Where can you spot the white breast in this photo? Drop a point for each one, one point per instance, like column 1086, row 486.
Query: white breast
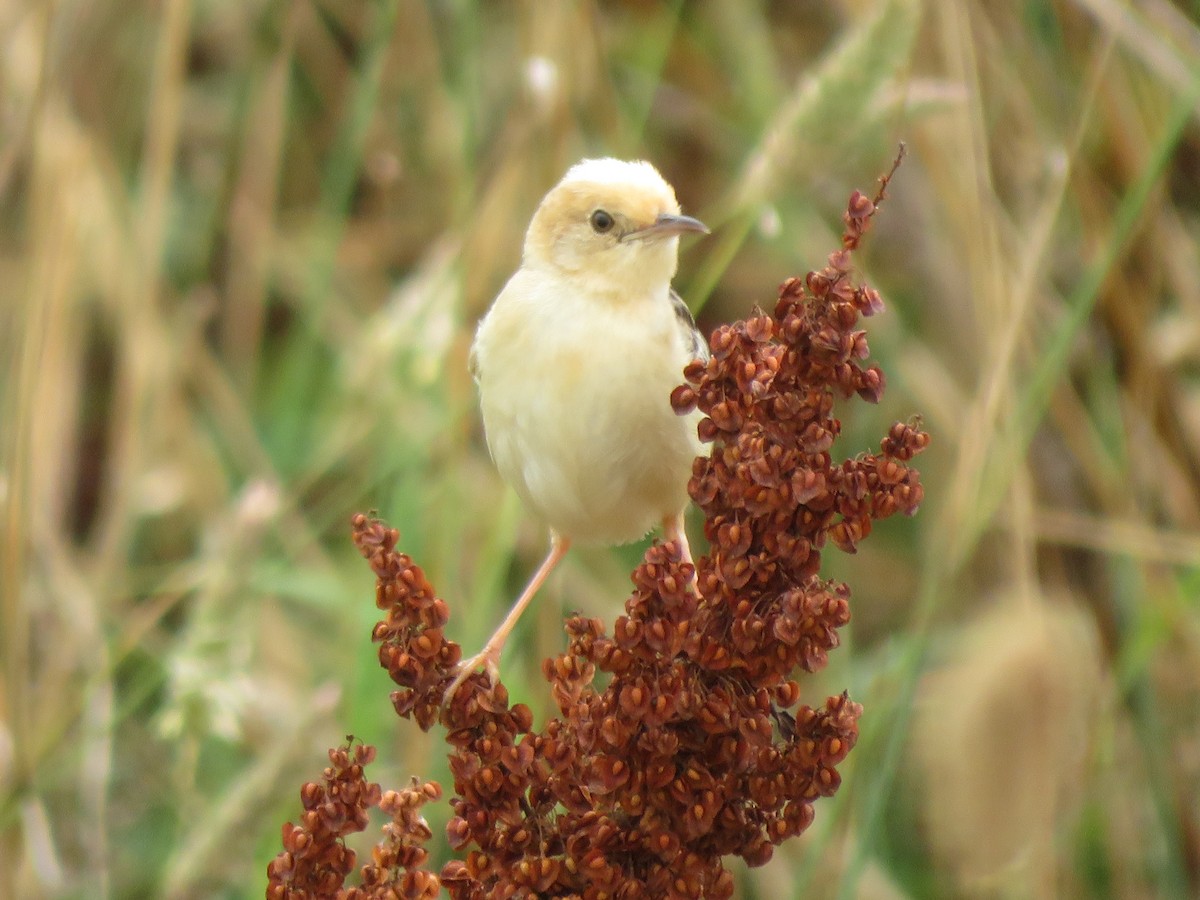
column 575, row 400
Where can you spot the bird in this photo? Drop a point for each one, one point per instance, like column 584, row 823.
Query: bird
column 575, row 363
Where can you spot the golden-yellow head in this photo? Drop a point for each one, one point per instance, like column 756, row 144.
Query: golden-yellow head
column 614, row 223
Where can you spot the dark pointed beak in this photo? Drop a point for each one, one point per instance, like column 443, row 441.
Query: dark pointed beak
column 668, row 225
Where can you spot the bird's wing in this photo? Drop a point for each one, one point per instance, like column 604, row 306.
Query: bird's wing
column 473, row 363
column 693, row 340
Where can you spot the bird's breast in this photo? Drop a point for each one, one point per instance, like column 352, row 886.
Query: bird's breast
column 576, row 406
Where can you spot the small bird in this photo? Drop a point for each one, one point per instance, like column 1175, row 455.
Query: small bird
column 576, row 361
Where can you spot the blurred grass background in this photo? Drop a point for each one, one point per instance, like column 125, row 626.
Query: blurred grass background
column 242, row 250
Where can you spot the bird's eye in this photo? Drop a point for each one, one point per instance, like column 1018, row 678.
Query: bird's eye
column 602, row 221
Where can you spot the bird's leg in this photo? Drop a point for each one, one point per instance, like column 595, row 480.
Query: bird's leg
column 489, row 656
column 673, row 530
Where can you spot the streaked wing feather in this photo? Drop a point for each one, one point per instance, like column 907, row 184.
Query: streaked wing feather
column 473, row 363
column 693, row 340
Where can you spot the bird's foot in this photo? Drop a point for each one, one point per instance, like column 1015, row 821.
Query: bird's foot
column 488, row 657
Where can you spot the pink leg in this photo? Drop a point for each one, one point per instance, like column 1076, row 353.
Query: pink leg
column 673, row 530
column 489, row 656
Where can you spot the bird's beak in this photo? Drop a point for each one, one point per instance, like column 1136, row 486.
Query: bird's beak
column 667, row 225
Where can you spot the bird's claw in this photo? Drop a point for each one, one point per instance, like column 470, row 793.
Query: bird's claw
column 488, row 657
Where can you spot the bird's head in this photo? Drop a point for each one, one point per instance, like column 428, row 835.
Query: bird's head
column 612, row 222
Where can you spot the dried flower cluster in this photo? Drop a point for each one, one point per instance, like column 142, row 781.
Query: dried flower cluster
column 315, row 860
column 695, row 745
